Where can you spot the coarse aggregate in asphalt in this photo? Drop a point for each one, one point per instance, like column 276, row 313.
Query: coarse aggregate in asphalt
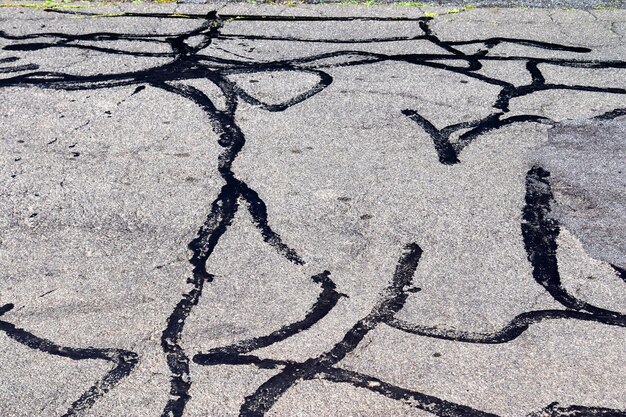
column 312, row 210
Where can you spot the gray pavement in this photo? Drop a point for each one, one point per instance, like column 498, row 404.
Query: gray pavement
column 586, row 160
column 331, row 210
column 549, row 4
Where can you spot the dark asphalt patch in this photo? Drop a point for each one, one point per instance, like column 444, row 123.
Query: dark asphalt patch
column 588, row 176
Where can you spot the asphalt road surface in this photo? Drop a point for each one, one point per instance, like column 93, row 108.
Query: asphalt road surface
column 312, row 211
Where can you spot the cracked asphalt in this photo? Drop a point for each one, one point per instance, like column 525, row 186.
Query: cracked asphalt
column 312, row 210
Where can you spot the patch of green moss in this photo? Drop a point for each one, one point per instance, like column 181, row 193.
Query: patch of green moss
column 48, row 4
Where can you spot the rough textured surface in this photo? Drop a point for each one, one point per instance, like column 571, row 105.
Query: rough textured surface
column 587, row 162
column 578, row 4
column 312, row 211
